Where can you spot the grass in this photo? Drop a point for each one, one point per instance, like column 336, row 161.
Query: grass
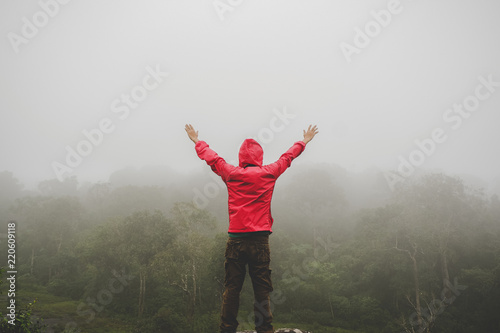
column 58, row 312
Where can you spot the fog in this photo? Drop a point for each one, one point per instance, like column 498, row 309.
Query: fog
column 396, row 86
column 101, row 190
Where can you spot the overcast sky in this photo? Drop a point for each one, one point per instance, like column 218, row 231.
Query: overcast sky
column 375, row 76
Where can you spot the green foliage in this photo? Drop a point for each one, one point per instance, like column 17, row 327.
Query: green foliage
column 23, row 322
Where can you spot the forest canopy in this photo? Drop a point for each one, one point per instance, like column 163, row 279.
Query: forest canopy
column 348, row 254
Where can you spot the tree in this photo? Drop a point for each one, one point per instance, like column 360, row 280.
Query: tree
column 56, row 188
column 435, row 212
column 130, row 243
column 314, row 197
column 10, row 189
column 49, row 226
column 182, row 263
column 97, row 196
column 124, row 201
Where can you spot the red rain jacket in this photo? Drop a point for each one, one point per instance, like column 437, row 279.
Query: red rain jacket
column 250, row 185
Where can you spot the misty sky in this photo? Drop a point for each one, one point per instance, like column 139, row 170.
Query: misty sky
column 230, row 77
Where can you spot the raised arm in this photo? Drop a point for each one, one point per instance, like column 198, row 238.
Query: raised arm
column 284, row 162
column 192, row 133
column 216, row 163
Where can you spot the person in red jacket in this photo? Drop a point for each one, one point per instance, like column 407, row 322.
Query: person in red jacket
column 250, row 188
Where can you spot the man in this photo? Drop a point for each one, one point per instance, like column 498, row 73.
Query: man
column 250, row 188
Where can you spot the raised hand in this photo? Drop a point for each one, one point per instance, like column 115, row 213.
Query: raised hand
column 310, row 133
column 192, row 133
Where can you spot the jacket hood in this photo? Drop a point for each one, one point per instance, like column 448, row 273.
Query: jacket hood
column 251, row 153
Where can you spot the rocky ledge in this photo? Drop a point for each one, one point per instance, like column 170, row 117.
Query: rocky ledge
column 281, row 330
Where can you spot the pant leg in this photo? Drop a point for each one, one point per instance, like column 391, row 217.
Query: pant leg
column 258, row 267
column 235, row 271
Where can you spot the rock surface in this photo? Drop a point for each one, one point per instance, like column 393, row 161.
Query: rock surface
column 281, row 330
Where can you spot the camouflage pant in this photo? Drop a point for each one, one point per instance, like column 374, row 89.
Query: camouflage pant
column 254, row 252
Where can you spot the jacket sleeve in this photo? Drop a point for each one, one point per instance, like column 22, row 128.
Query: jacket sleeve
column 217, row 163
column 284, row 162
